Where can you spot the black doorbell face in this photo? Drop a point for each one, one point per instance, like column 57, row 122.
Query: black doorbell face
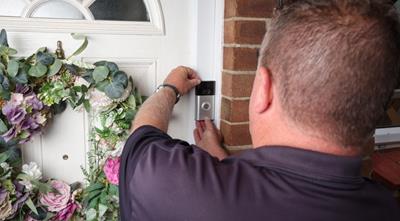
column 205, row 96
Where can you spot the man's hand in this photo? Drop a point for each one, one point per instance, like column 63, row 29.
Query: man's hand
column 209, row 138
column 183, row 78
column 157, row 109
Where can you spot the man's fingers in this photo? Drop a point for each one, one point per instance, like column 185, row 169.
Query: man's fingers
column 209, row 125
column 194, row 82
column 196, row 136
column 199, row 126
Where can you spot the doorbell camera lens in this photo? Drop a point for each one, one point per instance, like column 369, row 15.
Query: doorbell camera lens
column 205, row 95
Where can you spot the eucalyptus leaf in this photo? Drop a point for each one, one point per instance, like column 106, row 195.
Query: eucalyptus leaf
column 82, row 47
column 12, row 68
column 3, row 157
column 120, row 77
column 100, row 63
column 42, row 49
column 113, row 67
column 37, row 70
column 15, row 156
column 114, row 90
column 31, row 206
column 55, row 67
column 88, row 76
column 44, row 58
column 22, row 77
column 4, row 94
column 101, row 86
column 6, row 83
column 3, row 38
column 100, row 73
column 3, row 127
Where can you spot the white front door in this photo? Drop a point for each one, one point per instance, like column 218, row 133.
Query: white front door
column 145, row 50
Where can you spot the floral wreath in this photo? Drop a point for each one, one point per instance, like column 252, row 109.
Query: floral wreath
column 32, row 91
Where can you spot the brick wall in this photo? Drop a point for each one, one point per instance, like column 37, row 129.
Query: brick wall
column 244, row 28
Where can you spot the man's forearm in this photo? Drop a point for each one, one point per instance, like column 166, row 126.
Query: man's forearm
column 156, row 111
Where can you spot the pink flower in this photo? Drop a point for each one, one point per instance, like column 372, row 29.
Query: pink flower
column 57, row 201
column 66, row 213
column 111, row 169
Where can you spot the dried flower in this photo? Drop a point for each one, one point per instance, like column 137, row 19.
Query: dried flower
column 23, row 112
column 5, row 204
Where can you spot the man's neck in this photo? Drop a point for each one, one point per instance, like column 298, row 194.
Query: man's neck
column 283, row 136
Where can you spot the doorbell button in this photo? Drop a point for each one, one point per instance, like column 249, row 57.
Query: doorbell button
column 206, row 106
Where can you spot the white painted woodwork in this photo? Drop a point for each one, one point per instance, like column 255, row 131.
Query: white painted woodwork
column 181, row 32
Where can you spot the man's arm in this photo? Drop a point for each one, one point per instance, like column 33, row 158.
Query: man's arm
column 157, row 109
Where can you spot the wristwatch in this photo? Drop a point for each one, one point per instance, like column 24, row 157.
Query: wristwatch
column 178, row 95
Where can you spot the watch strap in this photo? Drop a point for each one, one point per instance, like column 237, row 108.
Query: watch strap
column 178, row 95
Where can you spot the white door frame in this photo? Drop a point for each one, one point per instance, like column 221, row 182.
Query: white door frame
column 209, row 60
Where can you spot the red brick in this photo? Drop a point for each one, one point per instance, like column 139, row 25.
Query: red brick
column 240, row 59
column 236, row 135
column 237, row 85
column 249, row 8
column 235, row 110
column 244, row 32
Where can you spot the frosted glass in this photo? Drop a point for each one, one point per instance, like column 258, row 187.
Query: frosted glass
column 57, row 9
column 12, row 7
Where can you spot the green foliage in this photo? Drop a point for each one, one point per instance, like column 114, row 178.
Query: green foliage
column 55, row 82
column 55, row 67
column 37, row 70
column 100, row 73
column 12, row 68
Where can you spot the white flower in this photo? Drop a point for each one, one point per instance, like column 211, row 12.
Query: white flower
column 79, row 81
column 5, row 166
column 32, row 170
column 16, row 99
column 118, row 149
column 28, row 185
column 99, row 100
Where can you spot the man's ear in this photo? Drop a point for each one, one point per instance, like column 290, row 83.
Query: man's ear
column 263, row 96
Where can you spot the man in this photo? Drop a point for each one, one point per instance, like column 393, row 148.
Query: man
column 326, row 71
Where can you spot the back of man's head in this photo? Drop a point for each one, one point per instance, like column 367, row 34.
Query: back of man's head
column 335, row 64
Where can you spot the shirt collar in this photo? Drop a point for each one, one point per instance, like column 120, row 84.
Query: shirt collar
column 305, row 162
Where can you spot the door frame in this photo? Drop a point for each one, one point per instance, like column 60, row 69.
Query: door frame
column 210, row 30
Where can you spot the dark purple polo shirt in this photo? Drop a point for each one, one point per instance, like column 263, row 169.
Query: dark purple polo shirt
column 164, row 179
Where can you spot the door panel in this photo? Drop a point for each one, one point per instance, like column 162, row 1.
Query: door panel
column 148, row 58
